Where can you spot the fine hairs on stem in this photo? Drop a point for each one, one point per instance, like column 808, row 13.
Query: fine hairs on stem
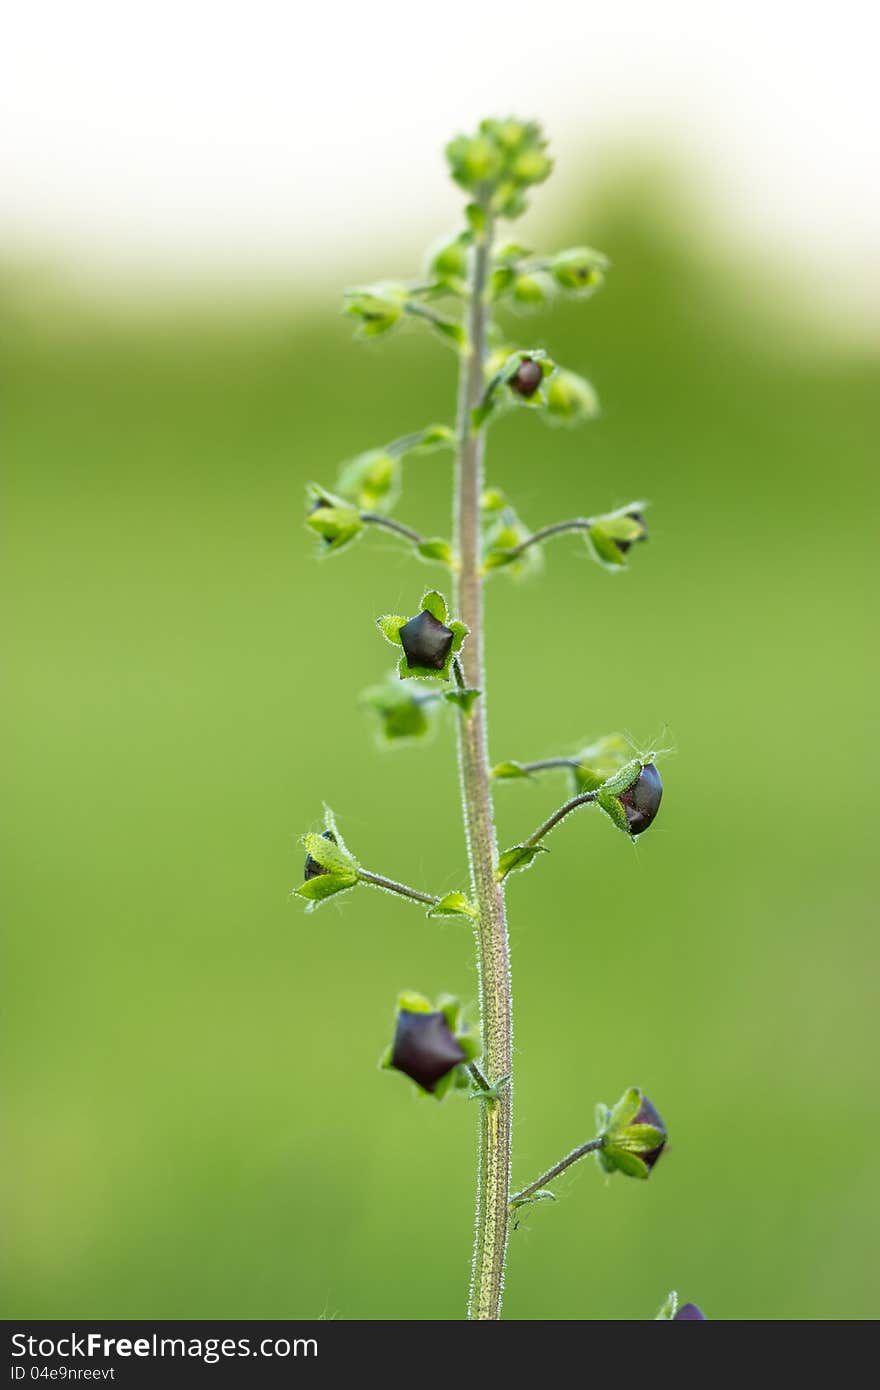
column 439, row 647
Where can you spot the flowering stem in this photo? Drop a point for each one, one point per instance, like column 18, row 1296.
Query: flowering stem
column 583, row 800
column 493, row 1173
column 590, row 1147
column 391, row 886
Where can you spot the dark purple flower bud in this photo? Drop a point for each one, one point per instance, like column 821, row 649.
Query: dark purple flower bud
column 527, row 377
column 425, row 1048
column 641, row 801
column 425, row 641
column 647, row 1115
column 689, row 1312
column 623, row 546
column 313, row 868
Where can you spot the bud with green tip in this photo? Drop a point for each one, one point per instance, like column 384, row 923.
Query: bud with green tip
column 430, row 640
column 332, row 518
column 610, row 537
column 499, row 162
column 673, row 1311
column 372, row 480
column 580, row 270
column 570, row 399
column 377, row 308
column 634, row 1135
column 405, row 712
column 431, row 1044
column 329, row 867
column 632, row 796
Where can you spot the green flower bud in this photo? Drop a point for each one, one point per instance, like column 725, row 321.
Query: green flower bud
column 313, row 868
column 571, row 398
column 634, row 1135
column 580, row 269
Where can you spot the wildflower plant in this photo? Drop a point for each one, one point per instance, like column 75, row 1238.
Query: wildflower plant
column 438, row 646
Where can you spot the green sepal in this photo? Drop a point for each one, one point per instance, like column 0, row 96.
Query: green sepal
column 371, row 480
column 451, row 329
column 435, row 604
column 315, row 890
column 619, row 526
column 465, row 699
column 475, row 216
column 435, row 548
column 411, row 1002
column 613, row 809
column 625, row 1110
column 501, row 538
column 389, row 625
column 378, row 308
column 404, row 711
column 332, row 518
column 639, row 1139
column 330, row 856
column 501, row 277
column 436, row 437
column 448, row 262
column 668, row 1308
column 531, row 291
column 624, row 1162
column 452, row 905
column 579, row 270
column 623, row 779
column 507, row 772
column 470, row 1045
column 517, row 857
column 603, row 548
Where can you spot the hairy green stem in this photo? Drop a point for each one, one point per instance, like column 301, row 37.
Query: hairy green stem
column 545, row 764
column 391, row 886
column 493, row 1174
column 590, row 1147
column 377, row 519
column 584, row 799
column 558, row 528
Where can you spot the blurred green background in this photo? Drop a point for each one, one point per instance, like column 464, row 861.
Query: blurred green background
column 196, row 1124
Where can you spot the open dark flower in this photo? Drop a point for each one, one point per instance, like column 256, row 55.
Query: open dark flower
column 424, row 1048
column 431, row 1044
column 429, row 641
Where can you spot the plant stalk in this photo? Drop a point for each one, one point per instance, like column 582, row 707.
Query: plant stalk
column 493, row 1173
column 589, row 1148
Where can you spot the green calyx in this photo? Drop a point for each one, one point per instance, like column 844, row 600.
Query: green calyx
column 434, row 604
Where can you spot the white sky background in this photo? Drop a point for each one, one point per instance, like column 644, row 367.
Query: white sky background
column 255, row 137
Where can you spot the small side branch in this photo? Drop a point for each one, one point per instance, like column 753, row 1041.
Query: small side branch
column 546, row 533
column 583, row 800
column 377, row 519
column 546, row 764
column 390, row 886
column 590, row 1147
